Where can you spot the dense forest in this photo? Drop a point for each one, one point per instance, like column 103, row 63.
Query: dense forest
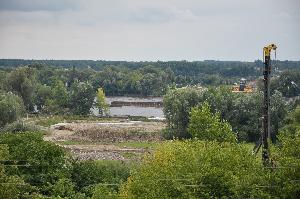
column 147, row 78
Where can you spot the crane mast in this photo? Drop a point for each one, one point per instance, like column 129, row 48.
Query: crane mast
column 266, row 103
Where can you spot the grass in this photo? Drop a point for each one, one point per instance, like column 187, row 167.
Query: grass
column 129, row 155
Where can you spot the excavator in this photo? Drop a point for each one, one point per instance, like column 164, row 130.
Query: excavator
column 242, row 88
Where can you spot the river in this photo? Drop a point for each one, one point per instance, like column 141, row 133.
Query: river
column 152, row 112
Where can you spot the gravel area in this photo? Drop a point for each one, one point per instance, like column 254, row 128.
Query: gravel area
column 94, row 136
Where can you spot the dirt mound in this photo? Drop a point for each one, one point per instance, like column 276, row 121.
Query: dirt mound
column 107, row 135
column 108, row 131
column 98, row 141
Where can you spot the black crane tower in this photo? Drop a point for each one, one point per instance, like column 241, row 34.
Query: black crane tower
column 266, row 104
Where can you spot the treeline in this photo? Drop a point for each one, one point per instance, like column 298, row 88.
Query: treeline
column 241, row 111
column 179, row 68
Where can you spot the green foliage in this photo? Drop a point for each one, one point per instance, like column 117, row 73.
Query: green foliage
column 286, row 158
column 177, row 106
column 205, row 125
column 145, row 81
column 43, row 93
column 63, row 188
column 59, row 101
column 20, row 126
column 292, row 123
column 288, row 83
column 11, row 186
column 241, row 111
column 81, row 98
column 11, row 108
column 245, row 115
column 47, row 161
column 103, row 192
column 101, row 103
column 196, row 169
column 22, row 82
column 88, row 173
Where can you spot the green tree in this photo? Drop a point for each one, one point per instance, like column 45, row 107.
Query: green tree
column 288, row 83
column 291, row 123
column 82, row 97
column 58, row 103
column 11, row 108
column 205, row 125
column 103, row 192
column 278, row 112
column 48, row 162
column 22, row 82
column 101, row 103
column 87, row 174
column 177, row 106
column 64, row 188
column 286, row 159
column 43, row 93
column 245, row 116
column 60, row 95
column 197, row 169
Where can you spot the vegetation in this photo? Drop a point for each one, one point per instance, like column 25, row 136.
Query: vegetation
column 241, row 111
column 11, row 108
column 101, row 103
column 205, row 125
column 45, row 169
column 210, row 169
column 212, row 131
column 177, row 106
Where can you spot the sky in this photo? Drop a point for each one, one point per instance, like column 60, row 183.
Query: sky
column 149, row 30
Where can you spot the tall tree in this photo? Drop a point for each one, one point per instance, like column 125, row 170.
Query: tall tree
column 101, row 103
column 11, row 108
column 82, row 97
column 22, row 82
column 177, row 106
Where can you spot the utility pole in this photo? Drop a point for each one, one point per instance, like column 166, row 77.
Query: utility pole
column 266, row 104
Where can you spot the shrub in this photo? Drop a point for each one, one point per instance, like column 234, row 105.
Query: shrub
column 48, row 162
column 11, row 108
column 196, row 169
column 20, row 126
column 87, row 174
column 205, row 125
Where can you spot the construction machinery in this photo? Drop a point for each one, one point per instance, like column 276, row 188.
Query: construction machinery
column 265, row 134
column 242, row 88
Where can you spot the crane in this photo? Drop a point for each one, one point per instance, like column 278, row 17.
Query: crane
column 265, row 138
column 265, row 134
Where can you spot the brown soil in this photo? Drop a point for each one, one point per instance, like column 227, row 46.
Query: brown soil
column 93, row 138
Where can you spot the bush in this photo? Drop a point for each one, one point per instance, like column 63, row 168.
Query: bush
column 11, row 108
column 48, row 162
column 89, row 173
column 104, row 192
column 205, row 125
column 63, row 188
column 197, row 169
column 20, row 126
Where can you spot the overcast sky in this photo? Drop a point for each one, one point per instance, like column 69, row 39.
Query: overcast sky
column 142, row 30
